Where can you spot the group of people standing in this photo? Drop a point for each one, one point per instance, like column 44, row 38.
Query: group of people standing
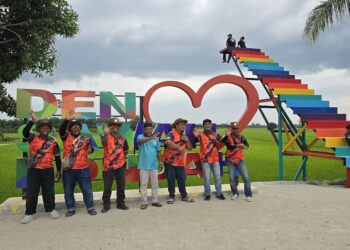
column 230, row 45
column 73, row 167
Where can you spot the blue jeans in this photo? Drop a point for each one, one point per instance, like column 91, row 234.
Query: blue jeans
column 243, row 170
column 173, row 173
column 215, row 168
column 70, row 178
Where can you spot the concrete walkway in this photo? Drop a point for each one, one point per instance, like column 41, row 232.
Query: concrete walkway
column 281, row 216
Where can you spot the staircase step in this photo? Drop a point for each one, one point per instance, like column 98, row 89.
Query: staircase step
column 235, row 52
column 265, row 67
column 281, row 80
column 307, row 103
column 322, row 117
column 314, row 110
column 249, row 64
column 279, row 91
column 342, row 151
column 262, row 76
column 254, row 59
column 332, row 132
column 285, row 97
column 336, row 142
column 274, row 85
column 327, row 124
column 245, row 49
column 240, row 55
column 269, row 72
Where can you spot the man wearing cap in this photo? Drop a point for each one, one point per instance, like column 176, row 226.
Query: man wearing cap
column 149, row 155
column 42, row 149
column 209, row 157
column 235, row 143
column 176, row 144
column 230, row 45
column 76, row 150
column 114, row 164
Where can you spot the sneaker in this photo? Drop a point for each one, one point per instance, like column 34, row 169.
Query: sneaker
column 92, row 212
column 170, row 200
column 207, row 197
column 187, row 199
column 221, row 197
column 105, row 209
column 27, row 218
column 157, row 204
column 249, row 199
column 234, row 197
column 144, row 206
column 70, row 213
column 53, row 214
column 223, row 61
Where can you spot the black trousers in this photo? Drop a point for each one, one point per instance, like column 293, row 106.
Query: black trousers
column 179, row 174
column 45, row 179
column 108, row 177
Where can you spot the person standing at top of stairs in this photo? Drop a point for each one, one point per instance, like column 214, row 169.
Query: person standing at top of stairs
column 230, row 45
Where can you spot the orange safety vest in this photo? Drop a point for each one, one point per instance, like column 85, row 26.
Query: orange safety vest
column 46, row 154
column 113, row 156
column 173, row 156
column 80, row 150
column 237, row 153
column 208, row 150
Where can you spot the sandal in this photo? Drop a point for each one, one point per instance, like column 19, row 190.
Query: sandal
column 144, row 206
column 170, row 201
column 187, row 199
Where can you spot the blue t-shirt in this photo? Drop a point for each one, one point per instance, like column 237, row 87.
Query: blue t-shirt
column 148, row 159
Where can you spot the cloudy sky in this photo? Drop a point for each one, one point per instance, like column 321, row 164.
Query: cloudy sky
column 132, row 45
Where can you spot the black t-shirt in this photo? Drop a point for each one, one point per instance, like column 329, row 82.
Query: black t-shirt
column 241, row 43
column 230, row 42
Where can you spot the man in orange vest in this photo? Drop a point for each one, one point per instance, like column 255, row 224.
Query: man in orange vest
column 235, row 144
column 176, row 144
column 75, row 164
column 114, row 164
column 42, row 149
column 209, row 157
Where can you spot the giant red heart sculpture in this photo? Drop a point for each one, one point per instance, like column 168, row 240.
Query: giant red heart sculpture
column 196, row 97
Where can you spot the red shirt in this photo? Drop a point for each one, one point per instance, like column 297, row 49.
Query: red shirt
column 46, row 151
column 173, row 156
column 115, row 149
column 208, row 150
column 80, row 150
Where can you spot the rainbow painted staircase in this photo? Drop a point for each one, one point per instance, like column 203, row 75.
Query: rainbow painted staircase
column 317, row 113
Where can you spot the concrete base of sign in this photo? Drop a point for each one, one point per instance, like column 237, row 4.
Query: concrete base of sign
column 15, row 205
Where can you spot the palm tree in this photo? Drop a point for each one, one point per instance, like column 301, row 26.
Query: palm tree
column 323, row 15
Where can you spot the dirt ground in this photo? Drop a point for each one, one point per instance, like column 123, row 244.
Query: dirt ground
column 282, row 216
